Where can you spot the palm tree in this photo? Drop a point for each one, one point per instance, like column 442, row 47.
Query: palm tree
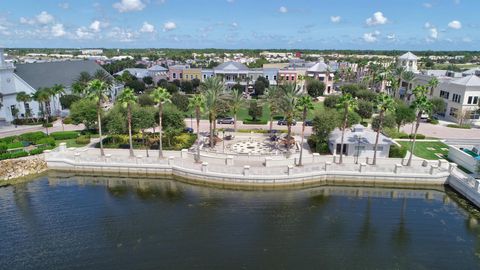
column 212, row 90
column 304, row 104
column 272, row 100
column 24, row 98
column 80, row 84
column 127, row 98
column 160, row 96
column 384, row 104
column 347, row 103
column 103, row 76
column 288, row 97
column 236, row 102
column 433, row 83
column 57, row 90
column 197, row 102
column 422, row 105
column 98, row 91
column 408, row 77
column 42, row 96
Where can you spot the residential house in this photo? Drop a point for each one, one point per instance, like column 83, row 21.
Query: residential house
column 359, row 142
column 322, row 72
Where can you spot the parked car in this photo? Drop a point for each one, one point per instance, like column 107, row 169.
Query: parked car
column 308, row 123
column 283, row 122
column 188, row 130
column 226, row 120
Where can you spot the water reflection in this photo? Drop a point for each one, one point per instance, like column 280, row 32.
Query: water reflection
column 105, row 222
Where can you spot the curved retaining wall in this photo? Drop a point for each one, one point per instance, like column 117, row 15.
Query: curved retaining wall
column 227, row 179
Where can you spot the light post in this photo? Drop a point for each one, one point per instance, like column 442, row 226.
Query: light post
column 359, row 138
column 191, row 121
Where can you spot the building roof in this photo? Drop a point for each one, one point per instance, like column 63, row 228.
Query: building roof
column 471, row 80
column 230, row 67
column 39, row 75
column 157, row 68
column 137, row 72
column 358, row 134
column 408, row 56
column 319, row 67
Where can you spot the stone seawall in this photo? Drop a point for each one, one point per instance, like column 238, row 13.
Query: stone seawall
column 11, row 169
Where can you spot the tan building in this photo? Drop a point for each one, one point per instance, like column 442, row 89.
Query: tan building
column 192, row 73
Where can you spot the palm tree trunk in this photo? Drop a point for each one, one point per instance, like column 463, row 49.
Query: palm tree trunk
column 46, row 119
column 303, row 136
column 160, row 112
column 197, row 116
column 289, row 134
column 129, row 116
column 144, row 142
column 417, row 124
column 211, row 131
column 99, row 119
column 377, row 137
column 235, row 122
column 271, row 122
column 345, row 120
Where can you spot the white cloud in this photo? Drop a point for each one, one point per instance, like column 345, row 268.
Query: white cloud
column 335, row 19
column 427, row 5
column 129, row 5
column 121, row 35
column 283, row 9
column 83, row 33
column 64, row 5
column 58, row 30
column 95, row 26
column 433, row 33
column 371, row 37
column 234, row 24
column 24, row 20
column 377, row 19
column 428, row 25
column 169, row 26
column 391, row 37
column 147, row 28
column 455, row 25
column 466, row 39
column 44, row 18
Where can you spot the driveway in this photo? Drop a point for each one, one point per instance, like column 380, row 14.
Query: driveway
column 443, row 132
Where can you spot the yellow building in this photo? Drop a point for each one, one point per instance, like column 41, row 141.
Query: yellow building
column 192, row 73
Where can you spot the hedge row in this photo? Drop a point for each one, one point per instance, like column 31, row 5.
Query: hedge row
column 397, row 151
column 65, row 135
column 24, row 153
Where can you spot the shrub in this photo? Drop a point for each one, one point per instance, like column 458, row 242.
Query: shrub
column 5, row 156
column 84, row 139
column 39, row 150
column 397, row 151
column 13, row 155
column 184, row 141
column 46, row 141
column 32, row 137
column 257, row 122
column 394, row 134
column 7, row 140
column 463, row 126
column 318, row 147
column 419, row 136
column 433, row 121
column 67, row 121
column 331, row 101
column 14, row 145
column 64, row 135
column 3, row 148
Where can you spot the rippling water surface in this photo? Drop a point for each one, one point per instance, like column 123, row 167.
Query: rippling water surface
column 98, row 223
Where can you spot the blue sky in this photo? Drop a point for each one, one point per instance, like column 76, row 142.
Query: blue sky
column 307, row 24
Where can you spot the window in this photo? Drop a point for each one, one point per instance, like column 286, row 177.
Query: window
column 444, row 94
column 174, row 75
column 379, row 148
column 181, row 75
column 456, row 98
column 472, row 100
column 27, row 108
column 47, row 105
column 204, row 76
column 321, row 78
column 286, row 77
column 359, row 147
column 293, row 78
column 266, row 77
column 474, row 115
column 453, row 112
column 275, row 78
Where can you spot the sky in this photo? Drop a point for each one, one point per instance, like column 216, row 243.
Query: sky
column 237, row 24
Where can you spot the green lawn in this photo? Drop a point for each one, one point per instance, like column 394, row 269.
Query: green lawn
column 243, row 113
column 427, row 150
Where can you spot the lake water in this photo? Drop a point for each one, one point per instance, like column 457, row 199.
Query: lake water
column 98, row 223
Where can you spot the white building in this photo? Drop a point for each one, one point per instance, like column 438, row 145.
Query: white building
column 29, row 78
column 359, row 142
column 409, row 61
